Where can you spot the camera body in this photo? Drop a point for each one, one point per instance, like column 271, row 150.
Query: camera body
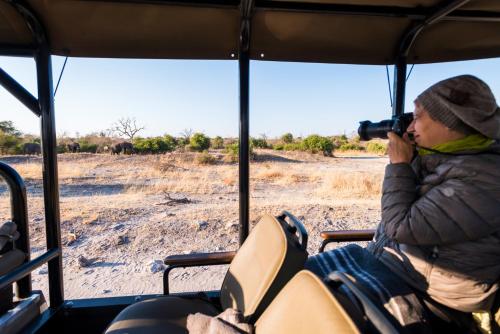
column 398, row 124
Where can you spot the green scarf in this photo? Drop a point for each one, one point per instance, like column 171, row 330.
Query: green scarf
column 472, row 142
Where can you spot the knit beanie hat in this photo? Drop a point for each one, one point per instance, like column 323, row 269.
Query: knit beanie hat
column 464, row 104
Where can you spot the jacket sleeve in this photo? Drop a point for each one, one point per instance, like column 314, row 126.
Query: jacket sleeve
column 451, row 212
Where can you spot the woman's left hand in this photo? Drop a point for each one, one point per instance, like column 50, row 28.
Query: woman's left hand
column 400, row 150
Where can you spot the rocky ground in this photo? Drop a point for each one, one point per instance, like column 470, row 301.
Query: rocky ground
column 120, row 216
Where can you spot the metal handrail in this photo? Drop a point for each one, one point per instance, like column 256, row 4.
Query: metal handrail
column 25, row 269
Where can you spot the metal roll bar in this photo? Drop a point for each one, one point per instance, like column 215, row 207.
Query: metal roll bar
column 19, row 215
column 405, row 46
column 246, row 9
column 49, row 149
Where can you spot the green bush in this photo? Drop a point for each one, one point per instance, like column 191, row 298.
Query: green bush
column 199, row 142
column 170, row 142
column 351, row 147
column 287, row 138
column 259, row 143
column 88, row 147
column 62, row 148
column 10, row 143
column 181, row 141
column 377, row 148
column 233, row 151
column 315, row 144
column 300, row 146
column 217, row 143
column 279, row 147
column 154, row 145
column 206, row 158
column 339, row 140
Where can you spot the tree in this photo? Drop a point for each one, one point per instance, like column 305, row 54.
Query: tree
column 7, row 127
column 186, row 134
column 127, row 127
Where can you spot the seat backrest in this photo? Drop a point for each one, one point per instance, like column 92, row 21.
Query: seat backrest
column 305, row 305
column 270, row 256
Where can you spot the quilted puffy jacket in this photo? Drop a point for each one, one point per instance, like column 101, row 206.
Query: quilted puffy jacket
column 440, row 227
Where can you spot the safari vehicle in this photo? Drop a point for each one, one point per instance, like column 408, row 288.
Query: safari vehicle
column 376, row 32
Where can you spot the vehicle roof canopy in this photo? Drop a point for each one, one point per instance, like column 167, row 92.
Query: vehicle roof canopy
column 332, row 31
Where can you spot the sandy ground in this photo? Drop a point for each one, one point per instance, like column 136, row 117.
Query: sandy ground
column 119, row 214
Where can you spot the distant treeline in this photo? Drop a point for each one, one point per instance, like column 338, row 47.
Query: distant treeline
column 12, row 141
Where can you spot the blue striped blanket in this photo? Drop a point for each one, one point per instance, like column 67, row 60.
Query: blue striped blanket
column 395, row 296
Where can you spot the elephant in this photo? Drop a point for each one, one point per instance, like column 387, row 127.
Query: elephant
column 31, row 148
column 126, row 147
column 73, row 147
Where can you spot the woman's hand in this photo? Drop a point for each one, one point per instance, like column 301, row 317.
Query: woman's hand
column 400, row 150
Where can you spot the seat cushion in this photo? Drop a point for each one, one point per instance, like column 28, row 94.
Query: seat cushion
column 159, row 315
column 305, row 305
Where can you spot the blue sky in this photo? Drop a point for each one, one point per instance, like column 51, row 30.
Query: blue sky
column 168, row 96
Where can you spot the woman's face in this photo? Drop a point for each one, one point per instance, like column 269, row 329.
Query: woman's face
column 428, row 132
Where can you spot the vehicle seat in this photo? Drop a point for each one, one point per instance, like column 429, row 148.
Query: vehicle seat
column 306, row 305
column 10, row 258
column 267, row 260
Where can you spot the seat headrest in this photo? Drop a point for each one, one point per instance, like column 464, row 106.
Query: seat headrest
column 266, row 261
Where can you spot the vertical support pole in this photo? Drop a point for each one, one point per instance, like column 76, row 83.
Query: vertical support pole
column 244, row 154
column 50, row 176
column 399, row 86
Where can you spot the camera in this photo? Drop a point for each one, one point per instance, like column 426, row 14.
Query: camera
column 398, row 124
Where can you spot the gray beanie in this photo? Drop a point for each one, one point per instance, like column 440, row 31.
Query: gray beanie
column 463, row 103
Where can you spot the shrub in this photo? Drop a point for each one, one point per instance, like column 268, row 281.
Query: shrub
column 259, row 143
column 181, row 142
column 217, row 143
column 300, row 146
column 287, row 138
column 315, row 144
column 62, row 148
column 9, row 143
column 279, row 147
column 233, row 151
column 154, row 145
column 377, row 148
column 88, row 147
column 199, row 142
column 206, row 158
column 170, row 142
column 339, row 140
column 351, row 147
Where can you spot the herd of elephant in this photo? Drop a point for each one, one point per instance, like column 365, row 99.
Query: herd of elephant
column 125, row 147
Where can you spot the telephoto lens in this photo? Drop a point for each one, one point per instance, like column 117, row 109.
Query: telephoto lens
column 368, row 130
column 398, row 124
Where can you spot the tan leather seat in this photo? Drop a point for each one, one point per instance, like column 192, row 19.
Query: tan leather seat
column 305, row 305
column 268, row 259
column 159, row 315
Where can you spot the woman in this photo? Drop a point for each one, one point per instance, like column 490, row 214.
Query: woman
column 440, row 227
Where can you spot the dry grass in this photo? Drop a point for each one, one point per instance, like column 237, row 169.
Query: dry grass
column 353, row 184
column 182, row 173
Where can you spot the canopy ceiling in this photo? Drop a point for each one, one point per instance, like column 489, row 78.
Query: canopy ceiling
column 333, row 31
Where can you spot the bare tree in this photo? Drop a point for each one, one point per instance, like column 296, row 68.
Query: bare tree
column 186, row 134
column 126, row 127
